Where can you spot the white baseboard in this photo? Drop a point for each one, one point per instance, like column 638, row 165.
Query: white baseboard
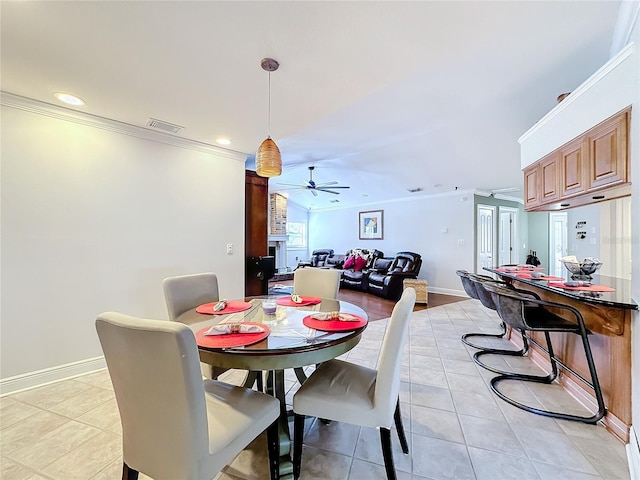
column 447, row 291
column 50, row 375
column 633, row 454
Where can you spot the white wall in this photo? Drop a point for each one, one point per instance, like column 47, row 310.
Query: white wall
column 93, row 219
column 608, row 91
column 414, row 225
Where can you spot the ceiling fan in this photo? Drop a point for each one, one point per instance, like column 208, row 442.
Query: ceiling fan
column 314, row 187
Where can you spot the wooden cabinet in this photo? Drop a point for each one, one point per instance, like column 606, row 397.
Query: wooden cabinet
column 549, row 179
column 595, row 162
column 531, row 189
column 608, row 154
column 541, row 182
column 573, row 168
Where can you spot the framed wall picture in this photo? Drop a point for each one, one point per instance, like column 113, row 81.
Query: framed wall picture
column 371, row 225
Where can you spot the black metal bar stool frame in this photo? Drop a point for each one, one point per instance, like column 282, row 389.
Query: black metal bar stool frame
column 470, row 289
column 486, row 298
column 527, row 313
column 472, row 284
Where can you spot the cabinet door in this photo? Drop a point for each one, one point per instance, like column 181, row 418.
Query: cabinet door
column 549, row 191
column 531, row 190
column 608, row 156
column 573, row 168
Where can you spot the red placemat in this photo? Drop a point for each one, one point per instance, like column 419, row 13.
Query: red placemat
column 228, row 340
column 232, row 307
column 517, row 270
column 550, row 278
column 333, row 325
column 306, row 300
column 584, row 288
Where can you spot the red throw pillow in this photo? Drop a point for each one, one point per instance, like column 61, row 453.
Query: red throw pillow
column 349, row 262
column 360, row 263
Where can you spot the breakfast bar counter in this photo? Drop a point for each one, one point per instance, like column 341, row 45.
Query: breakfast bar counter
column 607, row 315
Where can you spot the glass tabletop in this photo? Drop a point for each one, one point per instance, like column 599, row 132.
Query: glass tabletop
column 287, row 332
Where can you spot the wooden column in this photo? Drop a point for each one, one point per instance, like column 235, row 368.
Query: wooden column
column 255, row 230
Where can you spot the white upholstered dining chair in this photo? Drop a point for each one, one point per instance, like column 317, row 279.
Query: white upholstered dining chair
column 175, row 425
column 184, row 292
column 350, row 393
column 318, row 282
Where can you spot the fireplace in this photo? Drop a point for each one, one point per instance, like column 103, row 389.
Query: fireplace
column 278, row 248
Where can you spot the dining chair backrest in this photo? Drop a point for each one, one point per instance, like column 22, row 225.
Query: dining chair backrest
column 155, row 371
column 184, row 292
column 390, row 357
column 318, row 282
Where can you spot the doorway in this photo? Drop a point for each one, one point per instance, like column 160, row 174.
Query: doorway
column 508, row 236
column 557, row 242
column 485, row 219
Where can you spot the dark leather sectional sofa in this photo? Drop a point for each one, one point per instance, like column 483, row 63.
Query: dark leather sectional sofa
column 381, row 276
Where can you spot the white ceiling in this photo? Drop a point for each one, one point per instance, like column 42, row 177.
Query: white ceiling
column 381, row 96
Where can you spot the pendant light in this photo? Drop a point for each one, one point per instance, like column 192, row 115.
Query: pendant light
column 268, row 160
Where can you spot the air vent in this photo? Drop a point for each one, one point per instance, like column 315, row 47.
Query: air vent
column 164, row 126
column 414, row 190
column 334, row 201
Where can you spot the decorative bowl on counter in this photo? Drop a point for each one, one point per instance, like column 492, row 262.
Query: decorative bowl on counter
column 581, row 270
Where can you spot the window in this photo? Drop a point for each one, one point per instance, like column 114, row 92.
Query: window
column 297, row 232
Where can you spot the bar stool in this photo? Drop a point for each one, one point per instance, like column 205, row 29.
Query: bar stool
column 470, row 289
column 486, row 298
column 525, row 312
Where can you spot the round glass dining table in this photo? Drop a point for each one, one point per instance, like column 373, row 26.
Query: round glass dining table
column 290, row 344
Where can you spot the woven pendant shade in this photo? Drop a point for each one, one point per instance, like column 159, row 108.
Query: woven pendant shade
column 268, row 161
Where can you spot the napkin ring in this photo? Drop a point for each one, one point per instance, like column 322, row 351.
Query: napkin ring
column 235, row 328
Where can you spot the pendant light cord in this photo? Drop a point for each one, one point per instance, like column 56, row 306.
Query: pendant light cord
column 269, row 127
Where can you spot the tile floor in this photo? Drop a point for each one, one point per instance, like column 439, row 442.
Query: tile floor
column 457, row 429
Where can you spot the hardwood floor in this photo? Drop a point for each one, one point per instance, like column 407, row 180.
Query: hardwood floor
column 379, row 308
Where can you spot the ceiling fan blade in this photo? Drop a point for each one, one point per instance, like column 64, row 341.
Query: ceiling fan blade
column 325, row 184
column 326, row 191
column 315, row 194
column 337, row 186
column 293, row 185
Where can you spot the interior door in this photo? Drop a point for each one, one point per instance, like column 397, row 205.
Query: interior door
column 485, row 221
column 508, row 236
column 557, row 242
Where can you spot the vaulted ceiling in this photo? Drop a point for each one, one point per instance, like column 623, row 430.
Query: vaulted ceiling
column 381, row 96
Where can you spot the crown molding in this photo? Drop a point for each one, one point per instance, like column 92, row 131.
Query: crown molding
column 30, row 105
column 578, row 92
column 413, row 198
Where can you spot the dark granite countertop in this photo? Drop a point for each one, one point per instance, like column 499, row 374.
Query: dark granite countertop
column 620, row 298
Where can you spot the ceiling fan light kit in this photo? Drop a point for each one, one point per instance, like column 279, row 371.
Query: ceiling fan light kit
column 268, row 159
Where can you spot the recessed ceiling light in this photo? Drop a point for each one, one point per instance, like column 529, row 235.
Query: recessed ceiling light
column 69, row 99
column 223, row 141
column 414, row 190
column 365, row 195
